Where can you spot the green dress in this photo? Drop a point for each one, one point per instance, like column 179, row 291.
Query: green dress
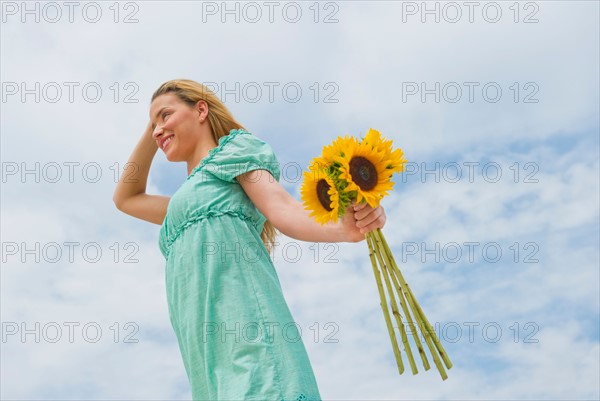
column 235, row 331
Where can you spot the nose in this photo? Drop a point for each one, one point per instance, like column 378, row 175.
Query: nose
column 157, row 131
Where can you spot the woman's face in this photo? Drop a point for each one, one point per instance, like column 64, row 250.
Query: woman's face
column 176, row 126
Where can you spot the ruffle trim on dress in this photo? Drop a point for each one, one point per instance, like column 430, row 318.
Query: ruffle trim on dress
column 201, row 216
column 222, row 141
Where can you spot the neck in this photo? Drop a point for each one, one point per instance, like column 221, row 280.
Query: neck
column 201, row 152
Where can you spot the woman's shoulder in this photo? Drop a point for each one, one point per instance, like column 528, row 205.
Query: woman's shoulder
column 241, row 136
column 241, row 143
column 242, row 150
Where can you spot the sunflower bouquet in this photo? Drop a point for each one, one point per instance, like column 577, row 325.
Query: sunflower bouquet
column 352, row 171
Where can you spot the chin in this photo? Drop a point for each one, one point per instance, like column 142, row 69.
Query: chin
column 170, row 157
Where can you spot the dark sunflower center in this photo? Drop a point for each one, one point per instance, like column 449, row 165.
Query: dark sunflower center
column 363, row 173
column 323, row 194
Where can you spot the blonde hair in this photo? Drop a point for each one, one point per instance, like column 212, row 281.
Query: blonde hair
column 221, row 121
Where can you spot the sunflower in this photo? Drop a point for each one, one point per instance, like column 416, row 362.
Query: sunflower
column 319, row 192
column 364, row 167
column 395, row 157
column 337, row 149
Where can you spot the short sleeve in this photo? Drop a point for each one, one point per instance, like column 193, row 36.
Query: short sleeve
column 241, row 152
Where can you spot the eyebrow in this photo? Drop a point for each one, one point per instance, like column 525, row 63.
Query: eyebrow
column 156, row 115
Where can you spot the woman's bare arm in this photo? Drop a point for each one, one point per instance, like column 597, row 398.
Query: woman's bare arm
column 289, row 216
column 130, row 194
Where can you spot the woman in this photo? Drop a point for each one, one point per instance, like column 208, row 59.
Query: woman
column 224, row 297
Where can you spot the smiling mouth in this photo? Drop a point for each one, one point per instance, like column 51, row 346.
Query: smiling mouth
column 166, row 142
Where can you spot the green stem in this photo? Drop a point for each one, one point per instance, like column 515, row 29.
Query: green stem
column 437, row 342
column 384, row 306
column 431, row 339
column 403, row 303
column 385, row 268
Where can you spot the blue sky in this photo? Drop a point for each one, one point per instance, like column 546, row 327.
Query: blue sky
column 528, row 319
